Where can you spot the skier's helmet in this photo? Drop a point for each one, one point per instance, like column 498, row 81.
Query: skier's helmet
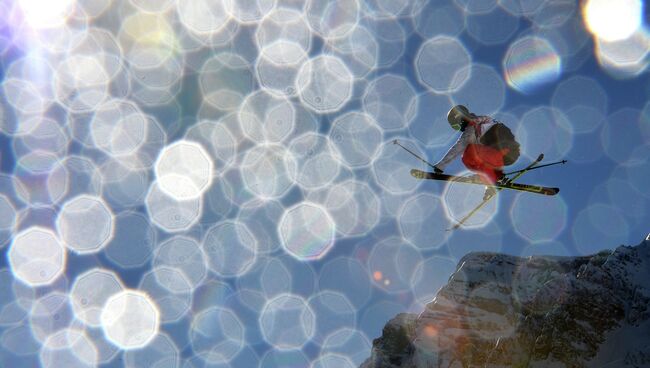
column 455, row 116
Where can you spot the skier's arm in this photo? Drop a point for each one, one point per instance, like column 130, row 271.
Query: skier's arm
column 457, row 149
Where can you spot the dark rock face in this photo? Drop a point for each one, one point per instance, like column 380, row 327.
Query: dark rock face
column 504, row 311
column 395, row 343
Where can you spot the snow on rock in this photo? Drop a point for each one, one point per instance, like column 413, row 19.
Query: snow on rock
column 540, row 311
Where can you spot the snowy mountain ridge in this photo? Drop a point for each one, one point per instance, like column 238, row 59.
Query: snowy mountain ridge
column 541, row 311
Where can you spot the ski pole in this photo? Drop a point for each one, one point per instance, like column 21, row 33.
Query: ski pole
column 537, row 167
column 409, row 151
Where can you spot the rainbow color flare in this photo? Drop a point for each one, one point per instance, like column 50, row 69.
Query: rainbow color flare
column 531, row 62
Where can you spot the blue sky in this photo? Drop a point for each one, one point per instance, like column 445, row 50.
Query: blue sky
column 227, row 173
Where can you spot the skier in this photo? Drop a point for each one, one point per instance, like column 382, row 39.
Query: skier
column 486, row 145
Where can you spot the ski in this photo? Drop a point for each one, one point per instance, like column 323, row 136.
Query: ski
column 485, row 201
column 475, row 180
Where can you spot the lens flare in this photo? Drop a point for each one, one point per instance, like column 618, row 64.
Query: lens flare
column 46, row 14
column 531, row 62
column 37, row 256
column 307, row 231
column 613, row 20
column 287, row 322
column 130, row 319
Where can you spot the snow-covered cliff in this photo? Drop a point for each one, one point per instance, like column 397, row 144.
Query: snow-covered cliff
column 505, row 311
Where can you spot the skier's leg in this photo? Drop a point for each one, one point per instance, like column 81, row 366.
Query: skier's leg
column 484, row 160
column 493, row 159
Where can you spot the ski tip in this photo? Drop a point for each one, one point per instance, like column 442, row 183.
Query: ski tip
column 550, row 191
column 540, row 157
column 417, row 174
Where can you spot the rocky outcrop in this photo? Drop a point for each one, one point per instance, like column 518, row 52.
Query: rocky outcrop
column 505, row 311
column 394, row 348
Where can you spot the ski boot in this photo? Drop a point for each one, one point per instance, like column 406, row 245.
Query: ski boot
column 489, row 192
